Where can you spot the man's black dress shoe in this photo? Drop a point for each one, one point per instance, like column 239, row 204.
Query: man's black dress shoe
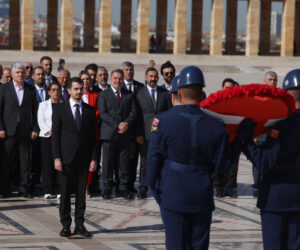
column 142, row 195
column 65, row 232
column 131, row 189
column 4, row 195
column 126, row 195
column 82, row 231
column 107, row 195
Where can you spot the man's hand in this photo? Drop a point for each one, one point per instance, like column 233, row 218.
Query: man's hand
column 33, row 135
column 49, row 132
column 123, row 126
column 140, row 140
column 58, row 165
column 2, row 134
column 93, row 166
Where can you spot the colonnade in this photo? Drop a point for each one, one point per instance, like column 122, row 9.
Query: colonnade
column 257, row 28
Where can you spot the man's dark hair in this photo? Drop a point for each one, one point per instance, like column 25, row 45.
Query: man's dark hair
column 74, row 79
column 150, row 69
column 51, row 84
column 167, row 64
column 229, row 80
column 38, row 67
column 117, row 71
column 91, row 66
column 45, row 58
column 61, row 61
column 192, row 92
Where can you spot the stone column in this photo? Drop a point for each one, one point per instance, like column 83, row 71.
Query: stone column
column 89, row 25
column 66, row 26
column 161, row 24
column 231, row 26
column 216, row 28
column 265, row 24
column 196, row 30
column 252, row 28
column 143, row 18
column 52, row 13
column 14, row 24
column 288, row 28
column 125, row 39
column 27, row 25
column 105, row 26
column 180, row 27
column 297, row 29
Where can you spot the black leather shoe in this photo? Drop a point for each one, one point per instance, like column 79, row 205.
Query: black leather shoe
column 107, row 195
column 219, row 193
column 82, row 231
column 4, row 195
column 142, row 195
column 132, row 190
column 65, row 232
column 255, row 194
column 232, row 193
column 126, row 195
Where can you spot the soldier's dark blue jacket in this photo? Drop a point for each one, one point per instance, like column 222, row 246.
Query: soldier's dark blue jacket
column 183, row 144
column 279, row 161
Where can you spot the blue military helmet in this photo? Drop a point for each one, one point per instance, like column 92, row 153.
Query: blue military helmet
column 291, row 79
column 191, row 75
column 174, row 84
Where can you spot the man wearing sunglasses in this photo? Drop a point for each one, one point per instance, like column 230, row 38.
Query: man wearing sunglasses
column 168, row 72
column 29, row 71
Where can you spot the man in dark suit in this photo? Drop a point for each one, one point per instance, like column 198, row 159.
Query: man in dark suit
column 38, row 77
column 117, row 110
column 75, row 152
column 29, row 71
column 18, row 124
column 63, row 78
column 168, row 72
column 151, row 100
column 133, row 86
column 46, row 63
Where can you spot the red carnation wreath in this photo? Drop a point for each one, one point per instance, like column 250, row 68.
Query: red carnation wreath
column 264, row 104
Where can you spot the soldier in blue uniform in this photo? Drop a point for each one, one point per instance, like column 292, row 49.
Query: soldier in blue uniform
column 279, row 162
column 183, row 145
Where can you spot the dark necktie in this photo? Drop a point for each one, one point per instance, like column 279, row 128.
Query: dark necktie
column 153, row 98
column 118, row 97
column 77, row 116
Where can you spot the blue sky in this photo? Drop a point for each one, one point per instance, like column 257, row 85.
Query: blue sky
column 41, row 8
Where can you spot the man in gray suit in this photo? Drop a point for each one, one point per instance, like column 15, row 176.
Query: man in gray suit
column 117, row 110
column 151, row 100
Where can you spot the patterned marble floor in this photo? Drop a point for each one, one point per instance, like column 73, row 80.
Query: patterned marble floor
column 121, row 224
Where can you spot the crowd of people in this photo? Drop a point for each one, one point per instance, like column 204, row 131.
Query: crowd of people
column 62, row 132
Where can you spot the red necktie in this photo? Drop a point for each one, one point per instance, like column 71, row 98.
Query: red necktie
column 118, row 97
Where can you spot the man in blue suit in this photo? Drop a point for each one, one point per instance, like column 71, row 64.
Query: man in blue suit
column 184, row 144
column 278, row 160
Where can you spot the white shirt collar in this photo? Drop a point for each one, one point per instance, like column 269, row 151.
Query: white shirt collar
column 72, row 103
column 150, row 89
column 38, row 88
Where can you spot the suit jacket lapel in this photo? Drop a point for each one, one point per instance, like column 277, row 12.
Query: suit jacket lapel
column 148, row 97
column 113, row 97
column 83, row 115
column 13, row 92
column 158, row 97
column 25, row 94
column 69, row 113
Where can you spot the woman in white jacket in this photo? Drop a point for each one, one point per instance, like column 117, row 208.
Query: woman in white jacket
column 50, row 184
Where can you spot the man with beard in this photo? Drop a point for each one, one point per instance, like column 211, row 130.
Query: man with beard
column 92, row 70
column 101, row 80
column 152, row 100
column 46, row 63
column 168, row 72
column 29, row 71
